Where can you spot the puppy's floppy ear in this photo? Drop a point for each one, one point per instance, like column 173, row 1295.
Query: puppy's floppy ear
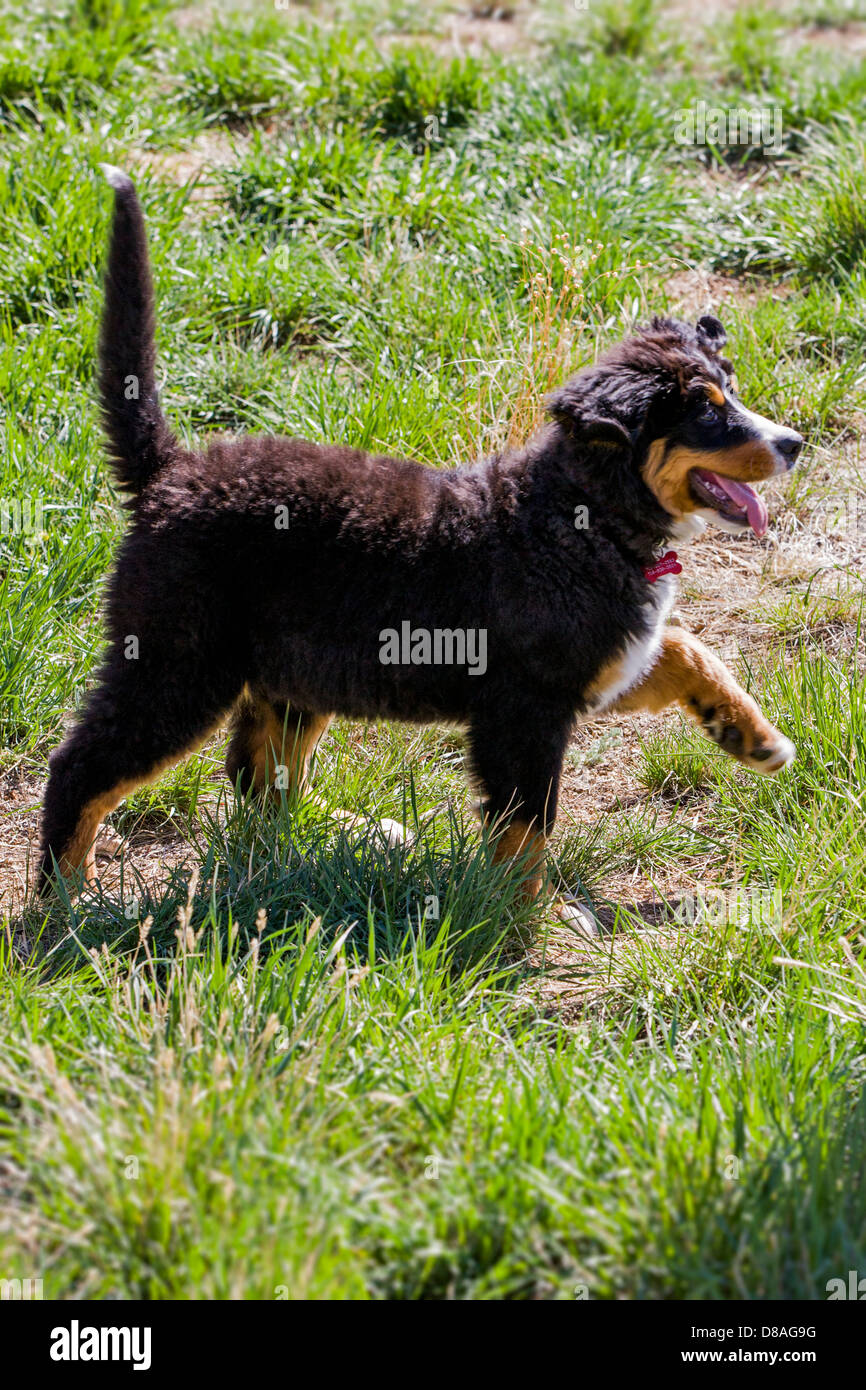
column 584, row 420
column 711, row 334
column 596, row 429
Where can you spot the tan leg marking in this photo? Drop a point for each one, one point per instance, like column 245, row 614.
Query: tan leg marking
column 686, row 673
column 610, row 674
column 288, row 747
column 525, row 845
column 79, row 852
column 293, row 748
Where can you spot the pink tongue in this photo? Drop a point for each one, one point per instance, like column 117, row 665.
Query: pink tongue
column 749, row 500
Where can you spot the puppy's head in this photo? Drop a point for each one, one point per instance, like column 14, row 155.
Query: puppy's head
column 661, row 412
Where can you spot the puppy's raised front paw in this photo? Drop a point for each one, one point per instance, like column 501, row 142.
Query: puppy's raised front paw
column 748, row 738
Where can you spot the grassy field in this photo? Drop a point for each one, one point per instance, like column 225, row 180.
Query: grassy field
column 266, row 1058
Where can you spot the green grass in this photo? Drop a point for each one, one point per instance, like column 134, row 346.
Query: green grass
column 299, row 1063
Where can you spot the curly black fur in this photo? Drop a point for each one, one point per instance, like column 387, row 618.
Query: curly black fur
column 221, row 598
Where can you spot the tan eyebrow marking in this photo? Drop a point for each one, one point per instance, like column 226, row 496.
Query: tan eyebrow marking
column 715, row 393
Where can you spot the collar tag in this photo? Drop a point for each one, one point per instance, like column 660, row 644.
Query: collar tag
column 668, row 564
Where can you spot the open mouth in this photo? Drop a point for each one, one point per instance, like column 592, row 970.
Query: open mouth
column 735, row 501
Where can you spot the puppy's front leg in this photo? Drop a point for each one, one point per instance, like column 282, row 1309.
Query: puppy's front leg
column 687, row 673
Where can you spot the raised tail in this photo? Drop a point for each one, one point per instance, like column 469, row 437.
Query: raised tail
column 140, row 442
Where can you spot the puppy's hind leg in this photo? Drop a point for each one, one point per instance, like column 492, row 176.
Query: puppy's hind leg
column 687, row 673
column 272, row 745
column 272, row 750
column 138, row 722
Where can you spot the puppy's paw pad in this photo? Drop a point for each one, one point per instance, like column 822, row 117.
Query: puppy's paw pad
column 726, row 735
column 770, row 758
column 731, row 740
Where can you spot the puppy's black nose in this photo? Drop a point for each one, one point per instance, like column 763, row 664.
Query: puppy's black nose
column 789, row 446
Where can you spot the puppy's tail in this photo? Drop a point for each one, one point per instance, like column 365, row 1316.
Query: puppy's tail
column 140, row 442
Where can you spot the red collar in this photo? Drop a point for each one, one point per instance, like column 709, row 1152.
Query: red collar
column 667, row 564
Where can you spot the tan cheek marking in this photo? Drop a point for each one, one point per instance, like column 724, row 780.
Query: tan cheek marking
column 667, row 474
column 750, row 462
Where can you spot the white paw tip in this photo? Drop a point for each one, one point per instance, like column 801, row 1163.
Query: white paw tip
column 783, row 754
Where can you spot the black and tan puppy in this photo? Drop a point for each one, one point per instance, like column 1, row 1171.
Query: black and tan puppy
column 289, row 582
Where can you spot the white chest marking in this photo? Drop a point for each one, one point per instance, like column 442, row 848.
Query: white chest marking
column 641, row 653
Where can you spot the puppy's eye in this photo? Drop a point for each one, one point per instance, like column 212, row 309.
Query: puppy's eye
column 708, row 410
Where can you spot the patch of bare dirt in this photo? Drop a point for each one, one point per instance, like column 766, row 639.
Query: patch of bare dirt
column 701, row 12
column 196, row 18
column 843, row 40
column 694, row 291
column 20, row 800
column 197, row 164
column 491, row 28
column 710, row 12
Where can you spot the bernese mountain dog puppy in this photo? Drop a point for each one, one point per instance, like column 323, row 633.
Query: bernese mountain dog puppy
column 287, row 582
